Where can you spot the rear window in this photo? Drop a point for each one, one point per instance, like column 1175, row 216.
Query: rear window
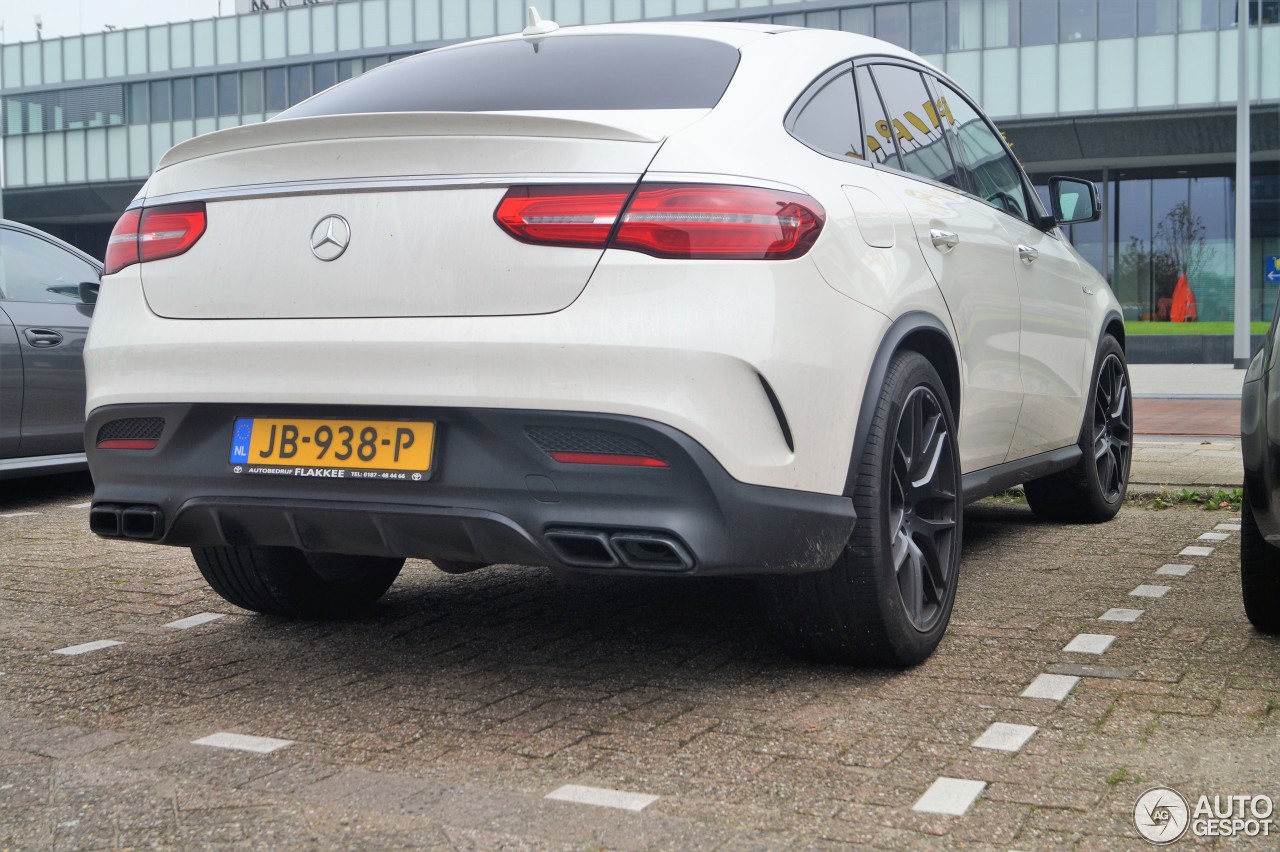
column 596, row 72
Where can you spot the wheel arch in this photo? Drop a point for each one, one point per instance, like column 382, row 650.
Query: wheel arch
column 1113, row 325
column 915, row 332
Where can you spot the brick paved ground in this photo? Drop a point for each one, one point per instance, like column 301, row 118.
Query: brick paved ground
column 1217, row 418
column 443, row 719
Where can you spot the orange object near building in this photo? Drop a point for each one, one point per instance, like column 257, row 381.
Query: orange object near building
column 1184, row 302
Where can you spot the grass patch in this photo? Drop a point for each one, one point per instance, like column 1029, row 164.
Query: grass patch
column 1120, row 776
column 1210, row 500
column 1223, row 327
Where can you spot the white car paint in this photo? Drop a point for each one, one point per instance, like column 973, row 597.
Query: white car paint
column 683, row 343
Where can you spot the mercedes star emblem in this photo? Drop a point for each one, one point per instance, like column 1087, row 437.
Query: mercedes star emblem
column 330, row 237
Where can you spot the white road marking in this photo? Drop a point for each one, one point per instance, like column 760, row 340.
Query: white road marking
column 1051, row 686
column 18, row 514
column 195, row 620
column 1090, row 643
column 952, row 796
column 1228, row 527
column 243, row 742
column 1145, row 591
column 72, row 650
column 1121, row 615
column 1214, row 536
column 602, row 797
column 1174, row 570
column 80, row 505
column 1002, row 736
column 1193, row 550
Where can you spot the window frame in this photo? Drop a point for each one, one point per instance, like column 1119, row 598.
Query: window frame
column 807, row 97
column 869, row 62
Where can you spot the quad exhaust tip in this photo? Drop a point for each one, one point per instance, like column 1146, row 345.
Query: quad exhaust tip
column 113, row 520
column 640, row 551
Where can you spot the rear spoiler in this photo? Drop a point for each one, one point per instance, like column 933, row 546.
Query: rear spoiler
column 637, row 126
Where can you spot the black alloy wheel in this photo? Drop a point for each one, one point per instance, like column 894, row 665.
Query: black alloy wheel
column 1092, row 490
column 1112, row 428
column 887, row 598
column 922, row 508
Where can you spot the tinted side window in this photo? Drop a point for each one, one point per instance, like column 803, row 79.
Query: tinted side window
column 827, row 118
column 32, row 270
column 557, row 72
column 916, row 127
column 990, row 171
column 875, row 126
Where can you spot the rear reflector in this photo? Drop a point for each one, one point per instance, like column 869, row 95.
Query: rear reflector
column 153, row 233
column 606, row 459
column 666, row 220
column 128, row 444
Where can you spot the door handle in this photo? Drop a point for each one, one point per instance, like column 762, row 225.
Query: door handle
column 944, row 241
column 42, row 338
column 1027, row 254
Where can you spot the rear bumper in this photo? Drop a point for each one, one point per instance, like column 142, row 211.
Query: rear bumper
column 493, row 496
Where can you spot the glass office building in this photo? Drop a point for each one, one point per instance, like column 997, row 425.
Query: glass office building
column 1138, row 95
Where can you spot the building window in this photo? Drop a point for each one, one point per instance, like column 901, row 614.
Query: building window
column 160, row 106
column 206, row 98
column 1078, row 21
column 228, row 94
column 182, row 105
column 1039, row 22
column 139, row 112
column 1157, row 17
column 326, row 75
column 299, row 84
column 1116, row 19
column 1000, row 23
column 277, row 89
column 251, row 92
column 964, row 24
column 892, row 24
column 928, row 27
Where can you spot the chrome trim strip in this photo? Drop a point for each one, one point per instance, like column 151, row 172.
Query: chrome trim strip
column 381, row 184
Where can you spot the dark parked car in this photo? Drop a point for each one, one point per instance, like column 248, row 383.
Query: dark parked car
column 1260, row 513
column 47, row 292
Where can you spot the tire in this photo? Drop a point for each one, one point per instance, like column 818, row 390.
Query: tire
column 887, row 599
column 294, row 583
column 1092, row 491
column 1259, row 572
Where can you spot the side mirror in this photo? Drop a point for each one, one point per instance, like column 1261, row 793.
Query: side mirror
column 88, row 292
column 1074, row 201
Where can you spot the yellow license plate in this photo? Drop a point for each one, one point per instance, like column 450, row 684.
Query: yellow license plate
column 343, row 449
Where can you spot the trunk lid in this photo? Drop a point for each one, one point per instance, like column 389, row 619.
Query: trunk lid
column 409, row 199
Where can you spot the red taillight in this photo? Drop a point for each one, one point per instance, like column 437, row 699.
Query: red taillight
column 666, row 220
column 614, row 459
column 122, row 245
column 128, row 444
column 579, row 216
column 730, row 222
column 152, row 233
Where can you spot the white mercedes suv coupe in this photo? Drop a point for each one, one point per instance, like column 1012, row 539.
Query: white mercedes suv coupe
column 685, row 299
